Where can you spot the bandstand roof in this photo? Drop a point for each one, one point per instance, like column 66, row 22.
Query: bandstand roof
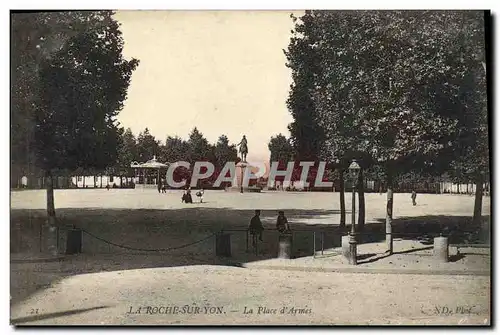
column 151, row 164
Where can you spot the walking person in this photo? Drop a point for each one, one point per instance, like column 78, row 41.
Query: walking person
column 414, row 197
column 256, row 228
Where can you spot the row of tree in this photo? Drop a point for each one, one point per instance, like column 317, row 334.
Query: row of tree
column 175, row 149
column 399, row 91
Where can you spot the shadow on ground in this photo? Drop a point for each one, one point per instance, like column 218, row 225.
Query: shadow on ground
column 38, row 317
column 458, row 229
column 172, row 228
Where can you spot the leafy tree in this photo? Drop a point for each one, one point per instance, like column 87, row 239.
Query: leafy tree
column 199, row 148
column 78, row 83
column 34, row 38
column 470, row 145
column 224, row 152
column 281, row 149
column 387, row 86
column 304, row 63
column 175, row 150
column 147, row 146
column 282, row 152
column 127, row 152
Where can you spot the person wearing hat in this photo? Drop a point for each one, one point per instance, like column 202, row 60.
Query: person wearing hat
column 256, row 228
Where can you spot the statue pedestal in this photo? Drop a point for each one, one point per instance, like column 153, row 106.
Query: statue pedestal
column 238, row 180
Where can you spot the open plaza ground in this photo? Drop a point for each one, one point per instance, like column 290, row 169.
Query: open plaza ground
column 106, row 280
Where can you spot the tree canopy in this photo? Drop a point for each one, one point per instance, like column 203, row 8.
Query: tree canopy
column 69, row 81
column 402, row 91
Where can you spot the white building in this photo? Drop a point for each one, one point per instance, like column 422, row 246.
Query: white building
column 100, row 181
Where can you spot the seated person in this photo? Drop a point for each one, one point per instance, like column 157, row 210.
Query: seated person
column 256, row 228
column 189, row 198
column 282, row 223
column 186, row 197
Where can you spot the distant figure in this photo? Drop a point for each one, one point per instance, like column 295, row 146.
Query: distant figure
column 256, row 228
column 24, row 182
column 159, row 186
column 282, row 223
column 164, row 188
column 199, row 194
column 380, row 190
column 414, row 197
column 187, row 197
column 107, row 187
column 243, row 148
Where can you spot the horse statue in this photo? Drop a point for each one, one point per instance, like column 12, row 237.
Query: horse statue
column 243, row 148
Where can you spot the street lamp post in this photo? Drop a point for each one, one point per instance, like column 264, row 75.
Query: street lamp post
column 241, row 181
column 354, row 171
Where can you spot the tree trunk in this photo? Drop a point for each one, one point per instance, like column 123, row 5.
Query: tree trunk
column 342, row 199
column 478, row 203
column 361, row 197
column 388, row 218
column 83, row 181
column 51, row 217
column 101, row 179
column 95, row 184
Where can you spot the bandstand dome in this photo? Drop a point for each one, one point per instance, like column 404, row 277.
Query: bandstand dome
column 150, row 164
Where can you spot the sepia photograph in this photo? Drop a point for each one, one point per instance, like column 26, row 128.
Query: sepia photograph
column 250, row 167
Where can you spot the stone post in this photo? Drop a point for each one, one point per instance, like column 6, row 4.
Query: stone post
column 285, row 246
column 441, row 249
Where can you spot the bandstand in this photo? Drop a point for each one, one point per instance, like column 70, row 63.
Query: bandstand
column 149, row 173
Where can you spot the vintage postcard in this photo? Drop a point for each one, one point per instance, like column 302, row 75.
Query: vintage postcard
column 315, row 167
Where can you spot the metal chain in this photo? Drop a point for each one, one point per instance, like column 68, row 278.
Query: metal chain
column 149, row 250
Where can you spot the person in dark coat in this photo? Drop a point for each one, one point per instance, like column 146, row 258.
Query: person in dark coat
column 256, row 228
column 187, row 198
column 414, row 197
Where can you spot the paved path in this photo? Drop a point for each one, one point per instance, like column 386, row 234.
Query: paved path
column 226, row 293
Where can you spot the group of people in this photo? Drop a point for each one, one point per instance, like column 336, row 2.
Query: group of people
column 188, row 199
column 256, row 228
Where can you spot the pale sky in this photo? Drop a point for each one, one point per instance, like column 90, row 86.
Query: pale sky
column 223, row 72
